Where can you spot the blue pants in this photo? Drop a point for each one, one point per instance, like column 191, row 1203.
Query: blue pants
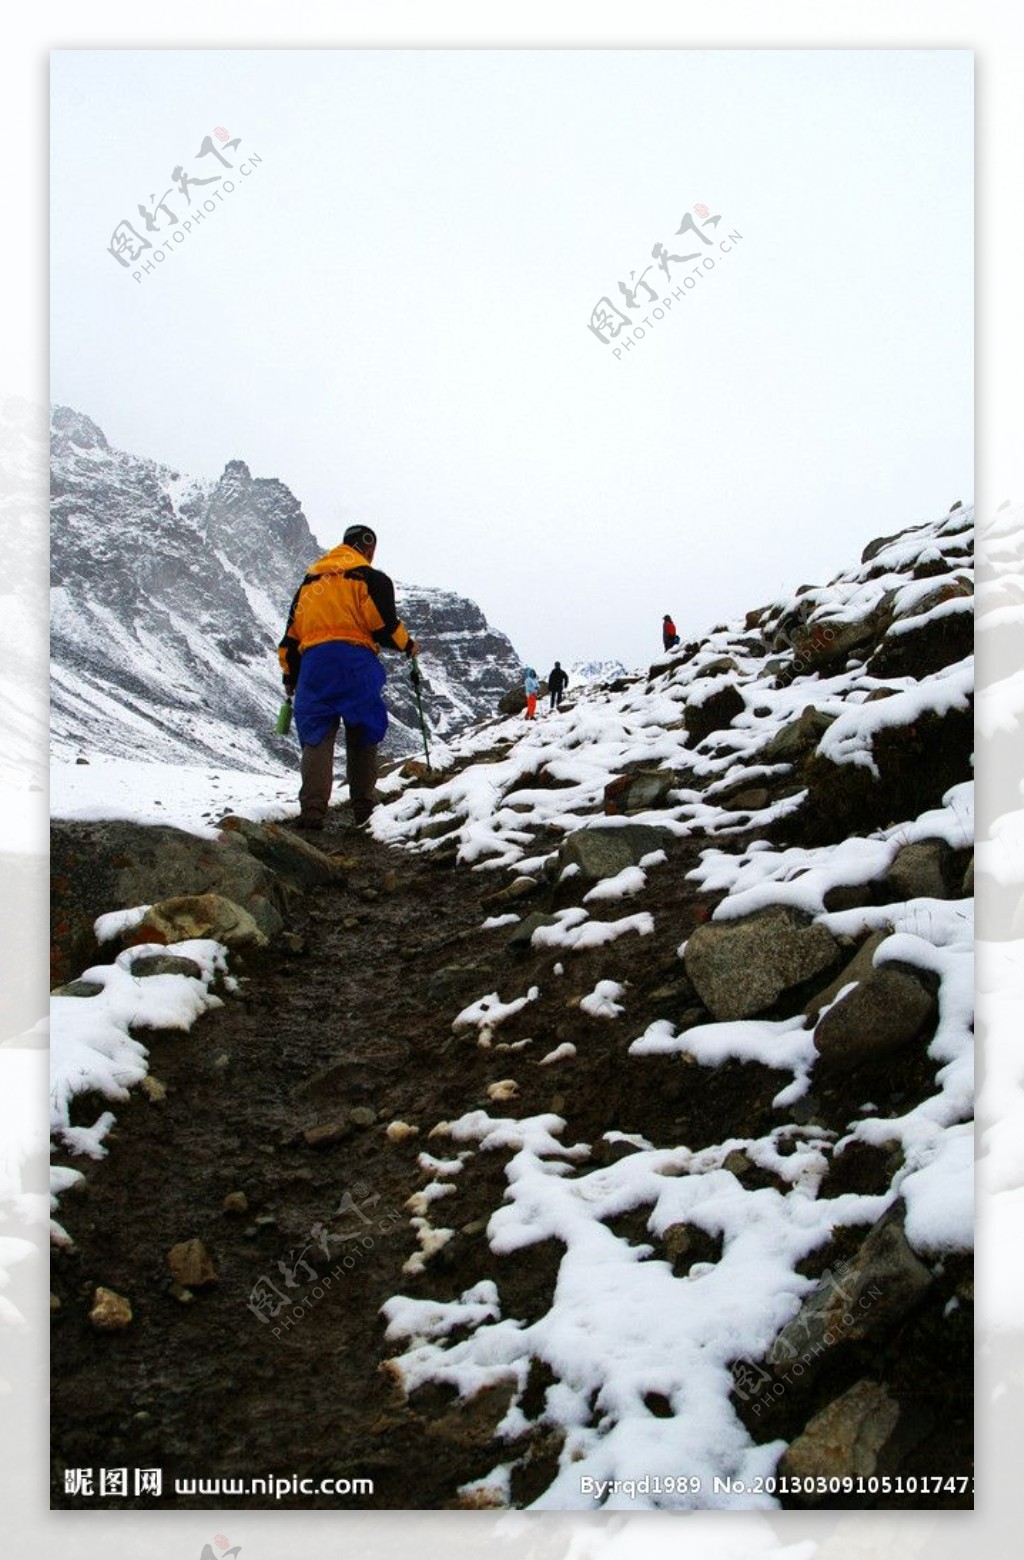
column 339, row 681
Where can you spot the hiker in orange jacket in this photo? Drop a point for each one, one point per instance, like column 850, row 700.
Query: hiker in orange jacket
column 669, row 637
column 342, row 614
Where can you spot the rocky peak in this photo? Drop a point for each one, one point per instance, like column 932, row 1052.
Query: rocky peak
column 71, row 429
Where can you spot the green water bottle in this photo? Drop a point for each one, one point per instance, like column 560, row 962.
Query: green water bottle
column 284, row 718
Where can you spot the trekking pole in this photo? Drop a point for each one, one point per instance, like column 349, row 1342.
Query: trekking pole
column 416, row 677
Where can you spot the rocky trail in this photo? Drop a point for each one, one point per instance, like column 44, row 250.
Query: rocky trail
column 263, row 1135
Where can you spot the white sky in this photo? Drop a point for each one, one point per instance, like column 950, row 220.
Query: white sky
column 390, row 314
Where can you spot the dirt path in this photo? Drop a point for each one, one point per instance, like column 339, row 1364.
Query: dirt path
column 230, row 1385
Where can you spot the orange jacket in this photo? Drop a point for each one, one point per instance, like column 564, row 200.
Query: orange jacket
column 341, row 597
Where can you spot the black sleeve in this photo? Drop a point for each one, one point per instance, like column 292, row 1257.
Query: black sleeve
column 288, row 648
column 382, row 594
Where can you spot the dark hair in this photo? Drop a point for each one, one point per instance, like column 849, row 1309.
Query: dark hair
column 360, row 537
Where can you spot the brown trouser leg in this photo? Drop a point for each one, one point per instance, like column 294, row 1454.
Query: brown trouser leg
column 361, row 767
column 317, row 770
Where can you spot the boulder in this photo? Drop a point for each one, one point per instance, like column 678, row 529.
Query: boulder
column 288, row 855
column 638, row 792
column 882, row 1014
column 916, row 765
column 751, row 800
column 872, row 550
column 883, row 1282
column 799, row 736
column 825, row 641
column 742, row 967
column 714, row 714
column 859, row 968
column 926, row 647
column 165, row 964
column 919, row 871
column 79, row 988
column 843, row 1440
column 522, row 934
column 199, row 915
column 602, row 852
column 98, row 867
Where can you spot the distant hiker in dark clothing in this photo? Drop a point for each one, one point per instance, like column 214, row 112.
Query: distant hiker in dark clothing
column 343, row 612
column 557, row 682
column 531, row 687
column 669, row 637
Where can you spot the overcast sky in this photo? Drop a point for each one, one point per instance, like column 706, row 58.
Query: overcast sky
column 390, row 310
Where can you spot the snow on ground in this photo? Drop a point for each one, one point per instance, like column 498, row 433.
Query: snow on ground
column 188, row 798
column 92, row 1048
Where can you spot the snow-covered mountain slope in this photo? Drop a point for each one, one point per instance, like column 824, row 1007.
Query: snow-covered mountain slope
column 819, row 755
column 169, row 596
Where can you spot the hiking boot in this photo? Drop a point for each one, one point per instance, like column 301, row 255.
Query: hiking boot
column 309, row 822
column 362, row 807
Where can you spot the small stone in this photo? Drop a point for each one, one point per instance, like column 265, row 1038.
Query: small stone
column 389, row 882
column 153, row 1089
column 676, row 1241
column 350, row 923
column 266, row 1221
column 181, row 1294
column 221, row 1062
column 293, row 942
column 520, row 888
column 325, row 1133
column 736, row 1163
column 369, row 895
column 557, row 1104
column 398, row 1131
column 504, row 1089
column 362, row 1116
column 110, row 1311
column 521, row 935
column 474, row 1227
column 235, row 1202
column 191, row 1264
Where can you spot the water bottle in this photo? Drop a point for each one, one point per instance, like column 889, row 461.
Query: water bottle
column 284, row 718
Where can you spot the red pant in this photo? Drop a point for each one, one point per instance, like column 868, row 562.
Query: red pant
column 531, row 706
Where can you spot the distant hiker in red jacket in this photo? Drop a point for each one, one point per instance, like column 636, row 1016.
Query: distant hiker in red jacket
column 531, row 687
column 669, row 637
column 557, row 683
